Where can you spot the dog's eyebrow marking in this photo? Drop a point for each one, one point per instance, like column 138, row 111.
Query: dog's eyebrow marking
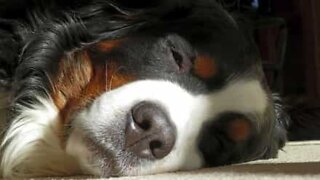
column 108, row 45
column 239, row 129
column 205, row 67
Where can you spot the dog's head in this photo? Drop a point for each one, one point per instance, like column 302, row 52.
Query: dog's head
column 146, row 88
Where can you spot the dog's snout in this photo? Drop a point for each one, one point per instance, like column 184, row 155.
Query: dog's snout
column 149, row 132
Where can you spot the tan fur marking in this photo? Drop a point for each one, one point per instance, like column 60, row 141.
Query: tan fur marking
column 239, row 129
column 205, row 67
column 108, row 45
column 74, row 74
column 80, row 80
column 115, row 77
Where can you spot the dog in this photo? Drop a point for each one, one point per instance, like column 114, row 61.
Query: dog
column 123, row 88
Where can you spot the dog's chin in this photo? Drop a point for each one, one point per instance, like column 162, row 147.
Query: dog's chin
column 106, row 157
column 104, row 153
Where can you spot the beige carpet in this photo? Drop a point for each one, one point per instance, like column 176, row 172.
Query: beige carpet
column 298, row 160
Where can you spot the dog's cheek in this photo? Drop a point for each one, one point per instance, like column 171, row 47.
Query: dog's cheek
column 80, row 80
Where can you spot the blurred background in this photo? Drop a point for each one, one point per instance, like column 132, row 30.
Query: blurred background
column 287, row 33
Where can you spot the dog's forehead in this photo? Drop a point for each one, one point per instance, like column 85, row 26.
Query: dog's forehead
column 214, row 60
column 221, row 51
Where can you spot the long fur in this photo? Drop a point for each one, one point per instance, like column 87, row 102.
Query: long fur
column 31, row 143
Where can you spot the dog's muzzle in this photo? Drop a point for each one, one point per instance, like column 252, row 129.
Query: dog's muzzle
column 152, row 126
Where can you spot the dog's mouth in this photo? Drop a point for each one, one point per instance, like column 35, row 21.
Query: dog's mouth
column 144, row 136
column 131, row 135
column 147, row 135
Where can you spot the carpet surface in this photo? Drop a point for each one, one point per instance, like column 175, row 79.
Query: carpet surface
column 298, row 160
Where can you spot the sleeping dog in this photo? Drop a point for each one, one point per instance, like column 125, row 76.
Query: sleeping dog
column 121, row 88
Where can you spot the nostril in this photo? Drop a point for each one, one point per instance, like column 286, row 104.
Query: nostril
column 156, row 148
column 155, row 144
column 149, row 133
column 142, row 116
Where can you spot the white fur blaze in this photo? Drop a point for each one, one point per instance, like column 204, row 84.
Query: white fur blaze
column 188, row 112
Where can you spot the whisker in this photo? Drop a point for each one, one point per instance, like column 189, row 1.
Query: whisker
column 112, row 76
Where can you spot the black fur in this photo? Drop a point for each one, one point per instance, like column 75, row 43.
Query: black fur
column 35, row 39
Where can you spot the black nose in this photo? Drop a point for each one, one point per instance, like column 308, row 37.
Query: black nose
column 149, row 133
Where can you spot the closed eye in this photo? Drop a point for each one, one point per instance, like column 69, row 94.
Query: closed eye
column 181, row 53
